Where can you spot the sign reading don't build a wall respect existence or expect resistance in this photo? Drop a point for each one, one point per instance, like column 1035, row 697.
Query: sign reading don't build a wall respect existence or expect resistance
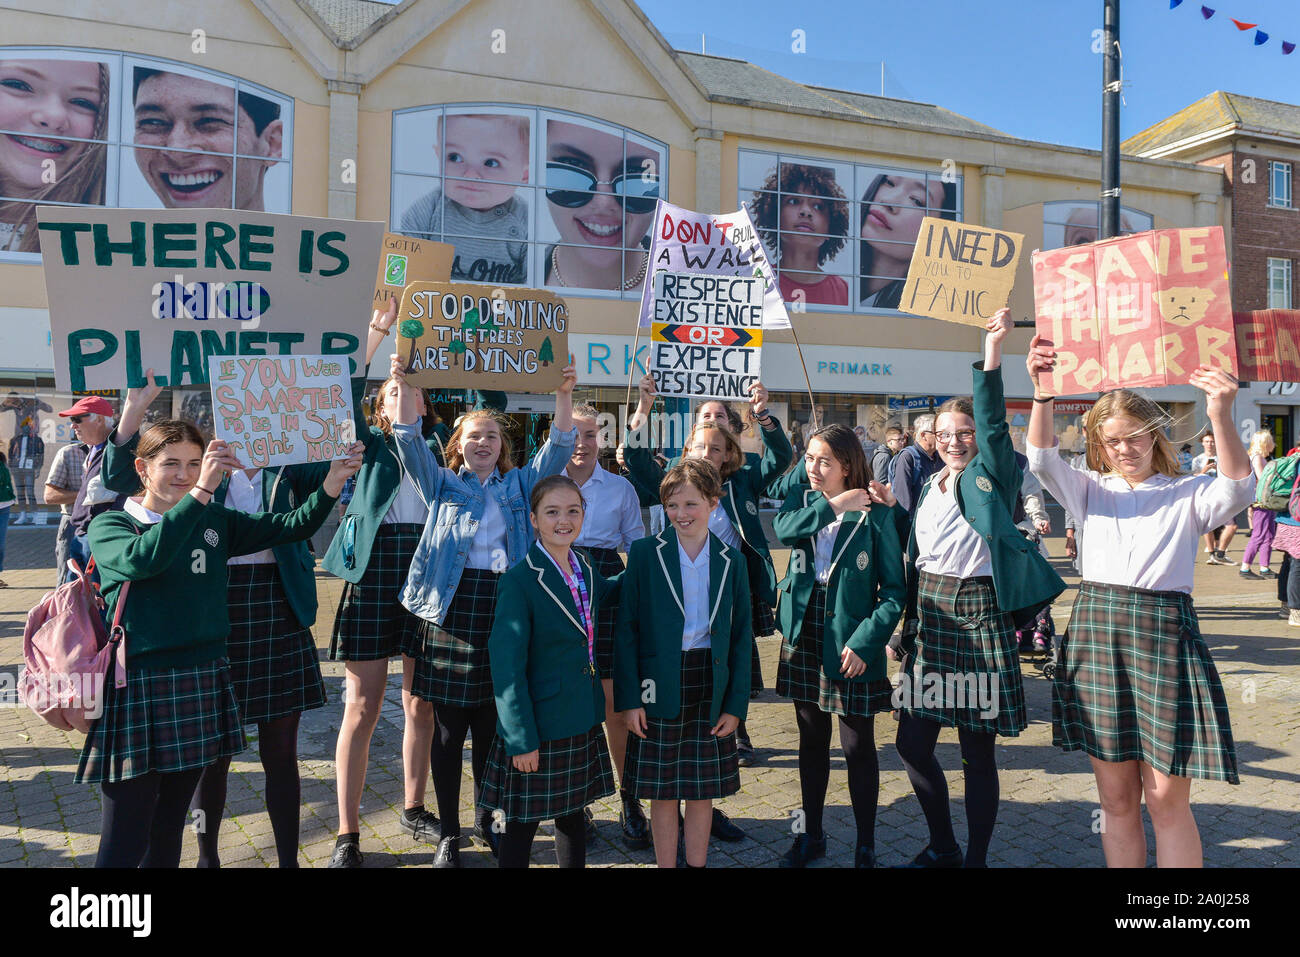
column 134, row 289
column 706, row 335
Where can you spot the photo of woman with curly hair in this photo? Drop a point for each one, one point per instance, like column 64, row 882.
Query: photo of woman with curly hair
column 893, row 206
column 802, row 215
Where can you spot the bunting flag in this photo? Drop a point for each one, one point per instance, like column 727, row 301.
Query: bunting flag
column 1260, row 38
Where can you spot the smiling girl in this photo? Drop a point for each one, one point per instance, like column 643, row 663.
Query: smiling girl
column 45, row 107
column 176, row 714
column 892, row 209
column 681, row 664
column 1136, row 688
column 477, row 528
column 841, row 598
column 549, row 758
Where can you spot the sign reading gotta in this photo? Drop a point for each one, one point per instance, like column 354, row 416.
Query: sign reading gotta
column 1137, row 311
column 133, row 289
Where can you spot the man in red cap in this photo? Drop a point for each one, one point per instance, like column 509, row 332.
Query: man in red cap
column 92, row 422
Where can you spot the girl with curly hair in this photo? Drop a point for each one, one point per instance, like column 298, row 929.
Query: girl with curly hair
column 803, row 215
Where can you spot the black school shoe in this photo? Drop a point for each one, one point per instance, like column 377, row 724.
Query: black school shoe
column 724, row 830
column 484, row 834
column 346, row 855
column 928, row 858
column 804, row 851
column 448, row 855
column 636, row 834
column 865, row 856
column 424, row 826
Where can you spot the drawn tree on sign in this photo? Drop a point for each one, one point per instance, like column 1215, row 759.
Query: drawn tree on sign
column 470, row 323
column 457, row 349
column 547, row 353
column 412, row 329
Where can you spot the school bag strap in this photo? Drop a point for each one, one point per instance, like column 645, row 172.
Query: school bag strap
column 117, row 636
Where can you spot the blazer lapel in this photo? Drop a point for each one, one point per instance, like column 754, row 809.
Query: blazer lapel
column 549, row 578
column 732, row 509
column 844, row 537
column 671, row 565
column 719, row 566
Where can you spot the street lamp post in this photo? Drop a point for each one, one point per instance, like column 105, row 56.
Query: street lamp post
column 1110, row 75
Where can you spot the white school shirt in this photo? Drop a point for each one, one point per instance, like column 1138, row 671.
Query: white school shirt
column 946, row 543
column 489, row 546
column 613, row 512
column 1142, row 537
column 720, row 525
column 408, row 507
column 695, row 598
column 244, row 494
column 135, row 508
column 823, row 549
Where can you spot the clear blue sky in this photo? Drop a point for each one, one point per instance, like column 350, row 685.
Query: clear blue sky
column 1022, row 66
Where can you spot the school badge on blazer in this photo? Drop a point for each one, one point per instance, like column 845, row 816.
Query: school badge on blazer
column 983, row 484
column 210, row 536
column 751, row 508
column 862, row 561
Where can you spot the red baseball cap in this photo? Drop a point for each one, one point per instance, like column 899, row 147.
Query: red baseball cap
column 88, row 405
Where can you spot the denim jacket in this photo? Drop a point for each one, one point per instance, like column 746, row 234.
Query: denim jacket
column 456, row 505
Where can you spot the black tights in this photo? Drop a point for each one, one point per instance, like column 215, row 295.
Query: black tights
column 144, row 820
column 570, row 842
column 447, row 753
column 917, row 738
column 277, row 745
column 857, row 737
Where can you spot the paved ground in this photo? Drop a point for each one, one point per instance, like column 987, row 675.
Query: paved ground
column 1048, row 798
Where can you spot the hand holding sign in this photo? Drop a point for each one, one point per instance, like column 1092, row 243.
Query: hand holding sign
column 1219, row 388
column 343, row 469
column 1040, row 362
column 217, row 461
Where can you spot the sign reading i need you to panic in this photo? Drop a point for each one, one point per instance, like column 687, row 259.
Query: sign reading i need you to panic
column 133, row 289
column 483, row 337
column 282, row 410
column 706, row 334
column 959, row 272
column 1135, row 311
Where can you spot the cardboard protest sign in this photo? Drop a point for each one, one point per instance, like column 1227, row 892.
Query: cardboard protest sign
column 707, row 335
column 133, row 289
column 726, row 244
column 282, row 410
column 959, row 272
column 1268, row 345
column 403, row 260
column 1135, row 311
column 483, row 337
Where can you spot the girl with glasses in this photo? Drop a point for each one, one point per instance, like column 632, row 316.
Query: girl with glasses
column 1136, row 688
column 972, row 581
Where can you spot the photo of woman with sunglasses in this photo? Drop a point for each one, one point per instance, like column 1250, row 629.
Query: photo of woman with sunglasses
column 893, row 206
column 601, row 191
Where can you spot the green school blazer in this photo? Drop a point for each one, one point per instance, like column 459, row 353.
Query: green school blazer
column 866, row 588
column 651, row 618
column 740, row 499
column 986, row 495
column 544, row 687
column 284, row 488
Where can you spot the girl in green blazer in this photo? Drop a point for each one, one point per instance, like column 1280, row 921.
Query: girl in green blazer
column 549, row 758
column 681, row 664
column 840, row 600
column 972, row 578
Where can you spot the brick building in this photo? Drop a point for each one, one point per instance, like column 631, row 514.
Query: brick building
column 1257, row 145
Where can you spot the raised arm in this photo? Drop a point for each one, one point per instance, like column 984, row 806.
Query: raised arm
column 992, row 432
column 252, row 533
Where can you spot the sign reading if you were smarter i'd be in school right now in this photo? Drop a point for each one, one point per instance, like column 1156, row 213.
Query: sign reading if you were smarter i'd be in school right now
column 706, row 335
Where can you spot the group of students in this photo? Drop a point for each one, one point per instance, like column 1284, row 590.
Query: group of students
column 518, row 623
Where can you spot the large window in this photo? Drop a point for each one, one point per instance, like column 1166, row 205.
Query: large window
column 839, row 234
column 1070, row 223
column 99, row 128
column 1279, row 184
column 529, row 196
column 1279, row 283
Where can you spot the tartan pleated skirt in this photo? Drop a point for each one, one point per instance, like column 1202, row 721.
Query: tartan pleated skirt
column 607, row 563
column 571, row 773
column 452, row 666
column 371, row 621
column 764, row 623
column 679, row 759
column 800, row 675
column 164, row 720
column 965, row 671
column 1136, row 683
column 273, row 661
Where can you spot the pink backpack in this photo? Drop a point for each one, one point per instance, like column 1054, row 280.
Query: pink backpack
column 68, row 654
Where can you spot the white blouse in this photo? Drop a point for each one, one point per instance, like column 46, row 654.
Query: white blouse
column 946, row 543
column 824, row 548
column 1142, row 537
